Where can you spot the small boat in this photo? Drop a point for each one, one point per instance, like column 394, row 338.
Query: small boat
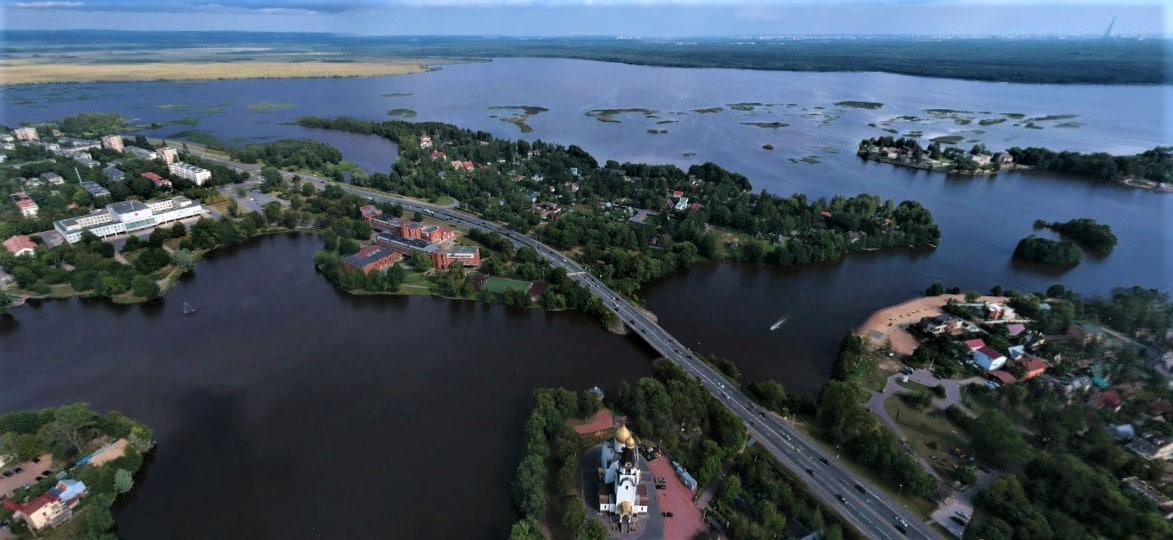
column 188, row 309
column 778, row 324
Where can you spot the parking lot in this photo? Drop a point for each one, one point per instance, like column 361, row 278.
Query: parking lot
column 28, row 475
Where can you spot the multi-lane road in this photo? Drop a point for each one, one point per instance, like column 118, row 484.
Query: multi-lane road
column 873, row 513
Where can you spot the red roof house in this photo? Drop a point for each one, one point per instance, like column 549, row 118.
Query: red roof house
column 156, row 179
column 20, row 245
column 974, row 344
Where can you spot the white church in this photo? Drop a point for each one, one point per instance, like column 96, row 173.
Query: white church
column 621, row 493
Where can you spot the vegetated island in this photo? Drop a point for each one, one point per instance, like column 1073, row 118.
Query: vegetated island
column 65, row 468
column 766, row 125
column 608, row 115
column 267, row 107
column 1092, row 236
column 1047, row 251
column 519, row 120
column 870, row 105
column 1151, row 169
column 709, row 110
column 402, row 113
column 398, row 94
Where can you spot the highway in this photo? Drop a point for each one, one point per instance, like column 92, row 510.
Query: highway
column 870, row 511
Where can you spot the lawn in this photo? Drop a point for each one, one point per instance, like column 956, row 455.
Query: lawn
column 498, row 285
column 930, row 433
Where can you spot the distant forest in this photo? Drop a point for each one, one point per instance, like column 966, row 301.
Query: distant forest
column 1099, row 61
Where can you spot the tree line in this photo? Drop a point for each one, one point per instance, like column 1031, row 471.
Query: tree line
column 1046, row 251
column 1155, row 164
column 1092, row 236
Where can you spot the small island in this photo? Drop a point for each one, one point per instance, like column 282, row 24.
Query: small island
column 870, row 105
column 1094, row 237
column 524, row 112
column 1044, row 251
column 608, row 115
column 907, row 152
column 766, row 125
column 1151, row 169
column 401, row 113
column 65, row 467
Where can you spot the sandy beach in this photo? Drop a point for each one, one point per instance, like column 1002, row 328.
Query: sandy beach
column 889, row 323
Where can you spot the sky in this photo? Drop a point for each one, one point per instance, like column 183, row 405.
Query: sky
column 634, row 18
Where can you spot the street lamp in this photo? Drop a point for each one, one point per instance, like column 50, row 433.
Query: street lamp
column 900, row 493
column 836, row 451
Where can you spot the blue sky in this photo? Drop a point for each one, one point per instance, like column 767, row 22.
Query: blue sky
column 640, row 18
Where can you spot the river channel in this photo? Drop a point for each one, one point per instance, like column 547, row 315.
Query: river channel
column 283, row 404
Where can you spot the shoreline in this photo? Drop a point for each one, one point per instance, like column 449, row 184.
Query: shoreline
column 1011, row 168
column 28, row 74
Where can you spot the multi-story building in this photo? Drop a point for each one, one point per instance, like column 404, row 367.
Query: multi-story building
column 79, row 145
column 369, row 212
column 114, row 174
column 86, row 161
column 372, row 258
column 169, row 154
column 53, row 178
column 187, row 171
column 26, row 134
column 141, row 153
column 448, row 254
column 52, row 508
column 28, row 207
column 113, row 142
column 622, row 493
column 1152, row 446
column 96, row 190
column 126, row 217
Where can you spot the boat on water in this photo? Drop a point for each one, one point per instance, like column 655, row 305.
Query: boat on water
column 188, row 309
column 778, row 324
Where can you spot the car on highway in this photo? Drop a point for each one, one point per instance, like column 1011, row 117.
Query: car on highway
column 841, row 498
column 900, row 524
column 810, row 471
column 824, row 460
column 860, row 489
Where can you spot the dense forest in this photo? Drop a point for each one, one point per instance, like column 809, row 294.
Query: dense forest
column 297, row 153
column 1155, row 165
column 1044, row 251
column 1092, row 236
column 724, row 219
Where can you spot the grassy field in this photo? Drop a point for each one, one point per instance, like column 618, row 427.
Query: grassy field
column 498, row 285
column 930, row 433
column 12, row 73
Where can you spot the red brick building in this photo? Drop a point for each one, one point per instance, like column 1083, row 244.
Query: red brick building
column 372, row 258
column 156, row 179
column 445, row 256
column 369, row 212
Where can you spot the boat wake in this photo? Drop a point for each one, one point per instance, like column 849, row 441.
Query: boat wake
column 778, row 324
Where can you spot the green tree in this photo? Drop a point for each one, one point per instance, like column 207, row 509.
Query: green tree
column 72, row 427
column 996, row 440
column 178, row 230
column 144, row 287
column 527, row 529
column 593, row 529
column 123, row 481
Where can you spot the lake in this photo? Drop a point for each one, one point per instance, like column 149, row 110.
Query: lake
column 318, row 361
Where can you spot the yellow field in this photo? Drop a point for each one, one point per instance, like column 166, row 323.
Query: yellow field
column 13, row 73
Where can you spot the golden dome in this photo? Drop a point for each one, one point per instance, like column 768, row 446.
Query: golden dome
column 626, row 509
column 622, row 434
column 631, row 442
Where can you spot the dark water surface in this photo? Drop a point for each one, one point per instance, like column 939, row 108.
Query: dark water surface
column 285, row 409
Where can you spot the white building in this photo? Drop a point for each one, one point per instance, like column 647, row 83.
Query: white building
column 188, row 171
column 53, row 178
column 623, row 493
column 169, row 154
column 141, row 153
column 127, row 216
column 113, row 142
column 28, row 207
column 989, row 358
column 26, row 134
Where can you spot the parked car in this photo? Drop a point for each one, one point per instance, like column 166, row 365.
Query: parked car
column 666, row 514
column 8, row 474
column 661, row 486
column 958, row 520
column 18, row 470
column 661, row 479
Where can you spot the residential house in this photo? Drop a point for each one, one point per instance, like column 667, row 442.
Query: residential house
column 999, row 312
column 21, row 245
column 159, row 181
column 371, row 259
column 989, row 359
column 1142, row 488
column 1002, row 377
column 681, row 204
column 52, row 508
column 1109, row 400
column 141, row 153
column 28, row 207
column 425, row 142
column 941, row 324
column 1029, row 368
column 1015, row 329
column 642, row 215
column 1122, row 433
column 52, row 178
column 974, row 344
column 1152, row 446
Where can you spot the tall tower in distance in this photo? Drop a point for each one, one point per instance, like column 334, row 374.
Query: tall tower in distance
column 1108, row 32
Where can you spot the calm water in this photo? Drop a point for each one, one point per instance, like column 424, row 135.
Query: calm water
column 319, row 351
column 295, row 411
